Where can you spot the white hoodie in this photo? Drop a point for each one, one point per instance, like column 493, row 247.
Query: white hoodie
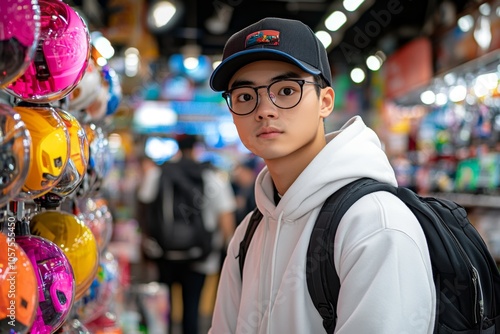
column 380, row 252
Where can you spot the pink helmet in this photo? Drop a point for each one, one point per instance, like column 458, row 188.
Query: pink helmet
column 56, row 282
column 61, row 56
column 19, row 32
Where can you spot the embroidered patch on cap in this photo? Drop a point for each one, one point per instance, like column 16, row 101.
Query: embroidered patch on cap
column 270, row 37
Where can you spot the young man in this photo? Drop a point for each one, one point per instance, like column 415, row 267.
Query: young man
column 276, row 80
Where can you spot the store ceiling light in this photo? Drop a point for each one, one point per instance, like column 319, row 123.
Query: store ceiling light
column 374, row 62
column 160, row 15
column 324, row 37
column 358, row 75
column 352, row 5
column 335, row 20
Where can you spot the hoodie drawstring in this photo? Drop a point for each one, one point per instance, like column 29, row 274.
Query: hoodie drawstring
column 273, row 261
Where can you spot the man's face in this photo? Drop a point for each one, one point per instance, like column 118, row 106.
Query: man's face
column 274, row 133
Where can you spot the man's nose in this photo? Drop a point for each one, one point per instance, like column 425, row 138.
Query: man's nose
column 266, row 106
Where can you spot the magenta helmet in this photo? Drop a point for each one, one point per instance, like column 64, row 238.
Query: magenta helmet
column 61, row 56
column 15, row 146
column 19, row 32
column 56, row 282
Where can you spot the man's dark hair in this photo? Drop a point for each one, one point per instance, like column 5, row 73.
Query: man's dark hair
column 319, row 80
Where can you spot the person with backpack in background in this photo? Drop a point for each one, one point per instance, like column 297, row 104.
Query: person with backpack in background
column 243, row 179
column 276, row 80
column 191, row 221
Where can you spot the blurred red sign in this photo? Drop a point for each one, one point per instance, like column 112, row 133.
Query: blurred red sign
column 408, row 68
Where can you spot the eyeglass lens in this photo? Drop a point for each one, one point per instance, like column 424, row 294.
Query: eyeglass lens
column 284, row 94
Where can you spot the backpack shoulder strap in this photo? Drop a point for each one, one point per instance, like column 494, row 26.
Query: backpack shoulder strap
column 322, row 280
column 245, row 243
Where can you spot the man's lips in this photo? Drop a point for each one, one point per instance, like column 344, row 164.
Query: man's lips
column 269, row 132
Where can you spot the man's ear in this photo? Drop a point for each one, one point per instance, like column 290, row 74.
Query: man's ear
column 327, row 101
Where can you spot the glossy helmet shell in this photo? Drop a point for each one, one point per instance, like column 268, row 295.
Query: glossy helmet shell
column 75, row 239
column 56, row 283
column 19, row 33
column 49, row 152
column 61, row 55
column 73, row 326
column 18, row 288
column 95, row 214
column 87, row 89
column 15, row 143
column 78, row 156
column 98, row 297
column 115, row 89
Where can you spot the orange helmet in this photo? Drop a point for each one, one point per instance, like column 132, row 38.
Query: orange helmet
column 15, row 144
column 76, row 241
column 18, row 288
column 49, row 149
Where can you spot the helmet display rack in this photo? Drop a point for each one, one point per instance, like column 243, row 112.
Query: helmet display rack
column 54, row 154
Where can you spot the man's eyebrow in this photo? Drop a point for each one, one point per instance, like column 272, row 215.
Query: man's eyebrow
column 239, row 83
column 287, row 75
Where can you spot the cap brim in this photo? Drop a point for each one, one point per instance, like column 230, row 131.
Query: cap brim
column 222, row 74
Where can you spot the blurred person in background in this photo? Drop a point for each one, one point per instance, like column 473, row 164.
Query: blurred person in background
column 243, row 177
column 217, row 209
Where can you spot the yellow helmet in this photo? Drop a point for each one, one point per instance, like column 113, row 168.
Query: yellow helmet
column 15, row 144
column 18, row 288
column 49, row 149
column 76, row 241
column 78, row 156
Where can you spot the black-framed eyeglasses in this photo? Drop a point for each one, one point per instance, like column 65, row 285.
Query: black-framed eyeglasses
column 284, row 94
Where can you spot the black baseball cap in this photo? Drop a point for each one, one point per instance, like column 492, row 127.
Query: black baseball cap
column 272, row 38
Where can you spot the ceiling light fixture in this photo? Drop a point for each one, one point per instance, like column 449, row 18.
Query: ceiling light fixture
column 335, row 20
column 374, row 62
column 358, row 75
column 324, row 37
column 160, row 15
column 352, row 5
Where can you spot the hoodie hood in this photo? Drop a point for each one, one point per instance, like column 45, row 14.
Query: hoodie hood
column 351, row 153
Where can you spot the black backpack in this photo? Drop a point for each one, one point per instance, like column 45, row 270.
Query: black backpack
column 466, row 276
column 176, row 220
